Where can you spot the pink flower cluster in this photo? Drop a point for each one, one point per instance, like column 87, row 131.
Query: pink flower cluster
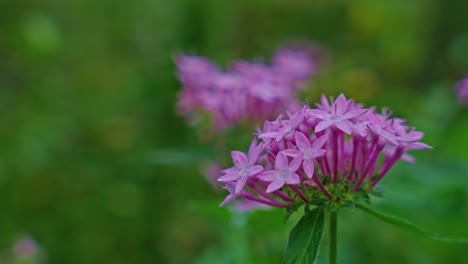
column 315, row 150
column 248, row 91
column 462, row 90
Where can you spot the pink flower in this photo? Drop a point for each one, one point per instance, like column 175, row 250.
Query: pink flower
column 284, row 173
column 248, row 91
column 307, row 151
column 338, row 115
column 244, row 167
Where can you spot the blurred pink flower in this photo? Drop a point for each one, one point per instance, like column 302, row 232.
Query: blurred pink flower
column 25, row 248
column 247, row 91
column 298, row 63
column 462, row 90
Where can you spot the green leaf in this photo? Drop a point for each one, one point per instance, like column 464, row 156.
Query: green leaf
column 304, row 239
column 408, row 226
column 290, row 210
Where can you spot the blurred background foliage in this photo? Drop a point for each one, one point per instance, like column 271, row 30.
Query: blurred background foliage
column 96, row 165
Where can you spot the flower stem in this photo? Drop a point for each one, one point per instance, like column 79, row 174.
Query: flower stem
column 333, row 237
column 299, row 193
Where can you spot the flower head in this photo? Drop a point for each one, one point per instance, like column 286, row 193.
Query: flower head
column 334, row 151
column 247, row 91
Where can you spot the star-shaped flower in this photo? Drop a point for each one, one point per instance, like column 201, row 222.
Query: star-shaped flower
column 244, row 166
column 338, row 116
column 284, row 173
column 307, row 150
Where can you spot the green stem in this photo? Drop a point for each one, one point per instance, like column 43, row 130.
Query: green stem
column 333, row 236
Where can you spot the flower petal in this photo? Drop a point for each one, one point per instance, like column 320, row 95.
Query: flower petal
column 354, row 113
column 281, row 161
column 408, row 158
column 324, row 102
column 268, row 176
column 293, row 179
column 253, row 144
column 240, row 184
column 302, row 141
column 295, row 163
column 228, row 199
column 291, row 152
column 320, row 114
column 323, row 125
column 239, row 158
column 340, row 105
column 254, row 153
column 415, row 135
column 319, row 142
column 272, row 134
column 318, row 153
column 255, row 170
column 344, row 126
column 308, row 166
column 230, row 176
column 417, row 146
column 275, row 185
column 230, row 169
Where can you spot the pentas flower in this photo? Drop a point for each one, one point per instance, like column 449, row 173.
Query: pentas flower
column 212, row 172
column 247, row 91
column 336, row 152
column 462, row 90
column 307, row 151
column 283, row 173
column 244, row 166
column 338, row 115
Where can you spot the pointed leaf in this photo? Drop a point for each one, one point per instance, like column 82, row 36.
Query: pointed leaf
column 408, row 226
column 304, row 239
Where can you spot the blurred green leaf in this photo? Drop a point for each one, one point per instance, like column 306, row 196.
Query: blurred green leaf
column 408, row 226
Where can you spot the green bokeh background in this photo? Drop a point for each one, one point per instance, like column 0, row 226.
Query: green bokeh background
column 98, row 167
